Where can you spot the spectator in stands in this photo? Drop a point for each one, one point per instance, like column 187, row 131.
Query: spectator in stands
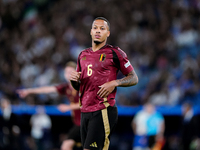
column 154, row 39
column 9, row 127
column 148, row 126
column 35, row 42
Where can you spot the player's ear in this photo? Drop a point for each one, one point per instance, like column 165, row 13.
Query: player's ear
column 91, row 32
column 108, row 34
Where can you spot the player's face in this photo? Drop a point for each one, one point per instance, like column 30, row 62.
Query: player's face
column 67, row 72
column 149, row 108
column 99, row 31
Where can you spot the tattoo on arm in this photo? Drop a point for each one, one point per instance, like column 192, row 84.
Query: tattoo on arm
column 130, row 80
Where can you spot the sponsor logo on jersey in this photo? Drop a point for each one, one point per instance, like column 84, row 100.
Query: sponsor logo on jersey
column 84, row 58
column 127, row 64
column 102, row 57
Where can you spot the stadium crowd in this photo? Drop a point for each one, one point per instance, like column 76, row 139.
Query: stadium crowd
column 160, row 37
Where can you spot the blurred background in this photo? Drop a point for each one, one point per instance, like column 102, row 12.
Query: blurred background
column 160, row 37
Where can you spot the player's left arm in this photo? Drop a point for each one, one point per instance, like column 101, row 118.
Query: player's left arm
column 129, row 80
column 121, row 61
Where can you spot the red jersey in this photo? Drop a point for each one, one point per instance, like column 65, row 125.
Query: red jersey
column 98, row 68
column 73, row 96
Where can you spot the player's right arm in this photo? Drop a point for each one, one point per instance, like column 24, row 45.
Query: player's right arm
column 71, row 106
column 75, row 79
column 75, row 75
column 40, row 90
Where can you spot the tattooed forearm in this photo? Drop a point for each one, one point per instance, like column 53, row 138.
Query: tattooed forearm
column 130, row 80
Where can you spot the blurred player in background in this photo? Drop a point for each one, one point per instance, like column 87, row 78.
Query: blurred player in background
column 41, row 129
column 189, row 128
column 148, row 126
column 96, row 77
column 73, row 96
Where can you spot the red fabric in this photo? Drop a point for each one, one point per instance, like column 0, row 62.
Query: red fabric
column 73, row 96
column 97, row 71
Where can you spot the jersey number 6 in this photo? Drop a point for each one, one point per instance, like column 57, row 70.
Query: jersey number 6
column 89, row 70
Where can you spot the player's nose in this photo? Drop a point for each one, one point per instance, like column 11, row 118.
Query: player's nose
column 98, row 30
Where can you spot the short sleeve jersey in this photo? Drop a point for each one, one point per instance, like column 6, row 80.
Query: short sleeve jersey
column 73, row 96
column 154, row 123
column 96, row 69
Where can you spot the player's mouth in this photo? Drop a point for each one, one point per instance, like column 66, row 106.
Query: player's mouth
column 97, row 36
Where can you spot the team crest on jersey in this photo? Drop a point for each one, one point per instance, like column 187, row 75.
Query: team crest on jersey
column 102, row 57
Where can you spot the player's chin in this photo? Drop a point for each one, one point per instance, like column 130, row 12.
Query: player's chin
column 97, row 41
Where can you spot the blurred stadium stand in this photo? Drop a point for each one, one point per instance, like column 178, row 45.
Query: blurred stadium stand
column 160, row 37
column 122, row 110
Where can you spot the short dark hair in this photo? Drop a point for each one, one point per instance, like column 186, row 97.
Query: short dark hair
column 102, row 18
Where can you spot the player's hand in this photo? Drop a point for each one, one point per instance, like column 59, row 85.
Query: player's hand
column 64, row 107
column 23, row 93
column 106, row 88
column 75, row 76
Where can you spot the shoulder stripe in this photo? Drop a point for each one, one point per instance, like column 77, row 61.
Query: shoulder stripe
column 123, row 54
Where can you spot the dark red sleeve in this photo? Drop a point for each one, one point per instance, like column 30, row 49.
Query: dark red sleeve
column 62, row 88
column 123, row 63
